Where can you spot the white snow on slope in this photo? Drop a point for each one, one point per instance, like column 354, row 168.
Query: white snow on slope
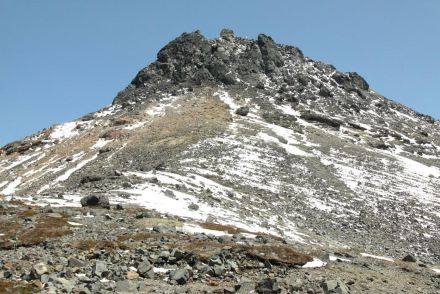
column 314, row 263
column 10, row 189
column 64, row 131
column 228, row 100
column 20, row 160
column 289, row 148
column 155, row 197
column 109, row 110
column 135, row 126
column 67, row 173
column 193, row 229
column 413, row 166
column 159, row 108
column 100, row 143
column 377, row 257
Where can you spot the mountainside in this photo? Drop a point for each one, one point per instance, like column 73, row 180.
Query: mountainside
column 251, row 134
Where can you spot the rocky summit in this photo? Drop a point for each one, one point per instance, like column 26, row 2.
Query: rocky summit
column 228, row 165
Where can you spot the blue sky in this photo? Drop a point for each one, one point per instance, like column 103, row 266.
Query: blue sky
column 61, row 59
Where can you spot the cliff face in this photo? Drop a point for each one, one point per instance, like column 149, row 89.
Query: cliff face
column 253, row 134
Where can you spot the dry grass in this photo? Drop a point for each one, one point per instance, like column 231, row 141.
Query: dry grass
column 19, row 287
column 145, row 235
column 46, row 228
column 223, row 228
column 17, row 235
column 278, row 254
column 9, row 231
column 275, row 254
column 26, row 213
column 90, row 245
column 153, row 221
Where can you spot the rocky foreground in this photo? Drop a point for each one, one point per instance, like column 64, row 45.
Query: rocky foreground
column 134, row 250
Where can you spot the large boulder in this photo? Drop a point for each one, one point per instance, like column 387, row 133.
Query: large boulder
column 99, row 201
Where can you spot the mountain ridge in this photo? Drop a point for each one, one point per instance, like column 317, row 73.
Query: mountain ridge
column 315, row 154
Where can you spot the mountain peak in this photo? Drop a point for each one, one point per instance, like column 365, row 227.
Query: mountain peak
column 193, row 60
column 253, row 134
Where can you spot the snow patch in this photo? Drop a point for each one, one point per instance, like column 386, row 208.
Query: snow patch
column 135, row 126
column 64, row 131
column 377, row 257
column 10, row 189
column 289, row 148
column 193, row 229
column 162, row 270
column 228, row 100
column 100, row 143
column 68, row 173
column 417, row 167
column 20, row 160
column 75, row 224
column 314, row 263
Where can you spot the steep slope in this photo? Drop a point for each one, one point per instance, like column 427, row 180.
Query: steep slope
column 253, row 134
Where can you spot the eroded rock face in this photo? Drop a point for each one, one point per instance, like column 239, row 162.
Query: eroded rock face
column 193, row 60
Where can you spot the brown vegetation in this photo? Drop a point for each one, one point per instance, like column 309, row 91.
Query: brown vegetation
column 275, row 254
column 90, row 245
column 45, row 227
column 10, row 286
column 144, row 236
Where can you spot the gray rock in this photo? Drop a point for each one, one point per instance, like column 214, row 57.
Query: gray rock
column 409, row 258
column 164, row 229
column 126, row 287
column 227, row 34
column 177, row 254
column 270, row 54
column 145, row 270
column 193, row 207
column 324, row 92
column 44, row 278
column 224, row 239
column 233, row 265
column 245, row 287
column 243, row 111
column 75, row 262
column 215, row 260
column 334, row 287
column 100, row 201
column 91, row 178
column 100, row 269
column 38, row 270
column 181, row 276
column 6, row 274
column 219, row 270
column 268, row 286
column 66, row 284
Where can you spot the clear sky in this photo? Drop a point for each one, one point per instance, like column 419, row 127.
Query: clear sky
column 60, row 59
